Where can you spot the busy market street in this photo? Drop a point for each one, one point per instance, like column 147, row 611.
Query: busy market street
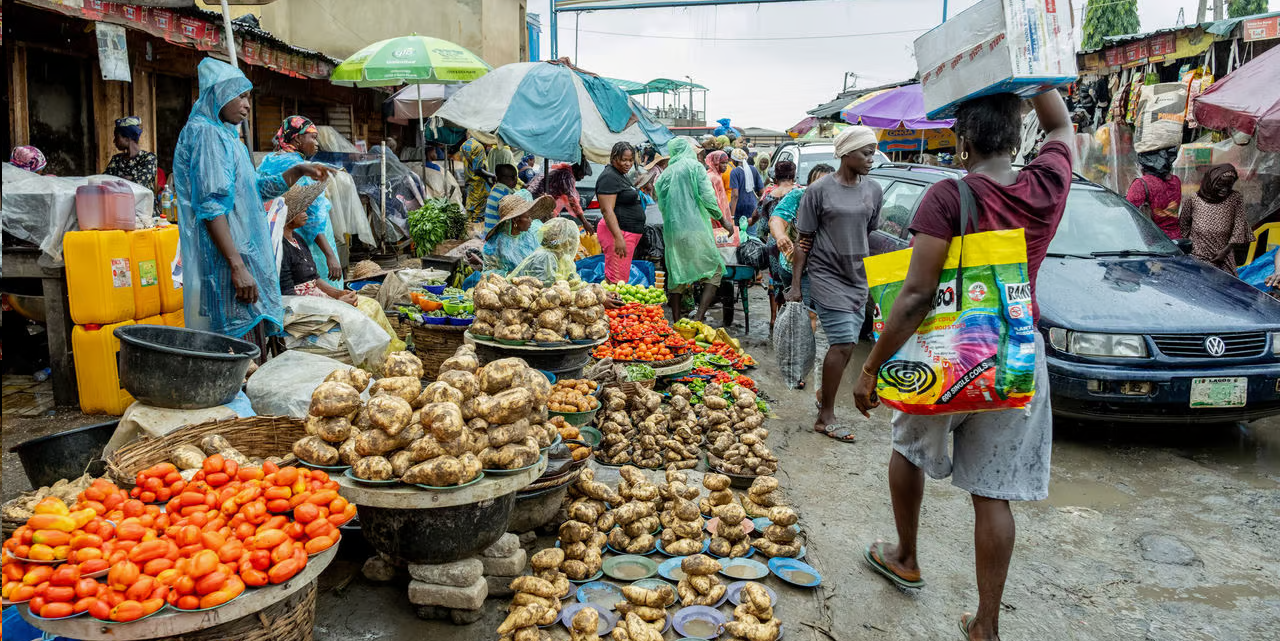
column 640, row 320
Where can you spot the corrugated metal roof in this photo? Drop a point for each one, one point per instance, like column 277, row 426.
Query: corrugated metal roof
column 842, row 100
column 1220, row 28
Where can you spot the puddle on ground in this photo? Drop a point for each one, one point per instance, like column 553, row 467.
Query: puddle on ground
column 1086, row 493
column 1218, row 596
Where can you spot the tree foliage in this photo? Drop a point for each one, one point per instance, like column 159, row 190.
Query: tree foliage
column 1242, row 8
column 1104, row 18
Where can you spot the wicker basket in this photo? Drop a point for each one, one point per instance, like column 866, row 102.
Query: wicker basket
column 631, row 388
column 292, row 619
column 435, row 344
column 256, row 436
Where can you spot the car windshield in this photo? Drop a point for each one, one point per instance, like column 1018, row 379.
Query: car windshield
column 811, row 157
column 1099, row 221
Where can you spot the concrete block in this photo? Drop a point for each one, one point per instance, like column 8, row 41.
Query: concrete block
column 432, row 612
column 504, row 547
column 465, row 617
column 528, row 539
column 509, row 566
column 378, row 569
column 458, row 574
column 499, row 586
column 445, row 596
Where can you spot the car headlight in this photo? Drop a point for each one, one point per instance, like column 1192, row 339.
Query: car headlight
column 1275, row 343
column 1109, row 345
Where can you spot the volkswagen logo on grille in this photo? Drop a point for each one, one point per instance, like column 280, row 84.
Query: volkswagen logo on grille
column 1215, row 346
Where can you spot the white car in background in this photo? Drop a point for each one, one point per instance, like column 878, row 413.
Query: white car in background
column 807, row 155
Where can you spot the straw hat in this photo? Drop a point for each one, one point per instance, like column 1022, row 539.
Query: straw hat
column 643, row 179
column 654, row 163
column 511, row 207
column 365, row 270
column 300, row 196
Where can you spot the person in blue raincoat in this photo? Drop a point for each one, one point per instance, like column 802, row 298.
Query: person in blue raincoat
column 228, row 263
column 295, row 141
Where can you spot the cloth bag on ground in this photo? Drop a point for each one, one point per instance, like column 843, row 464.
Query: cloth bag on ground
column 794, row 343
column 283, row 385
column 976, row 350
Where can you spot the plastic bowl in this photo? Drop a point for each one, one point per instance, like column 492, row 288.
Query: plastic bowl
column 435, row 320
column 435, row 289
column 461, row 322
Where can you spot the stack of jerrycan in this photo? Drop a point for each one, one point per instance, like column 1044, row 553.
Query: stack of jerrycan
column 116, row 278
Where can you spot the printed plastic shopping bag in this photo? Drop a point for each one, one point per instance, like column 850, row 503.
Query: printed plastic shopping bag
column 976, row 350
column 794, row 343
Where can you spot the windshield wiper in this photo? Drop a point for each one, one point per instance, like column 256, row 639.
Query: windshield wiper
column 1062, row 255
column 1123, row 253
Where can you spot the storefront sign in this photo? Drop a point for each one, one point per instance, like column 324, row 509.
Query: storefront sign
column 1262, row 29
column 113, row 52
column 1168, row 46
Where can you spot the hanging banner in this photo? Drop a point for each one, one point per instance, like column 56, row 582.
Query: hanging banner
column 913, row 139
column 183, row 30
column 1261, row 29
column 113, row 52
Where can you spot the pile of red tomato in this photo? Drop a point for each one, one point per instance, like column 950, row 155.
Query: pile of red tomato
column 640, row 332
column 217, row 535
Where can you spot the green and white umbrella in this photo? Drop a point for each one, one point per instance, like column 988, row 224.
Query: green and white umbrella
column 410, row 59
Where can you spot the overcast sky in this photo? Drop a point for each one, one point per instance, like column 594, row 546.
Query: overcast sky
column 765, row 65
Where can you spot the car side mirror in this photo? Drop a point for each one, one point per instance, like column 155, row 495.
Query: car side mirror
column 1183, row 244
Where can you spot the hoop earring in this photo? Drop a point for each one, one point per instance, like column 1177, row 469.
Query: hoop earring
column 964, row 155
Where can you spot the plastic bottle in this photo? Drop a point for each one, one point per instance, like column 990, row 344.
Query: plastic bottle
column 168, row 205
column 42, row 375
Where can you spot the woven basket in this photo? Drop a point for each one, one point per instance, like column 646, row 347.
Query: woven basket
column 435, row 344
column 292, row 619
column 631, row 388
column 256, row 436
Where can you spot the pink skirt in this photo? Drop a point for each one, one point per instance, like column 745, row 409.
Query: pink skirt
column 616, row 270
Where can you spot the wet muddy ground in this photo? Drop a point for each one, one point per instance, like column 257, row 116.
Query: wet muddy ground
column 1156, row 533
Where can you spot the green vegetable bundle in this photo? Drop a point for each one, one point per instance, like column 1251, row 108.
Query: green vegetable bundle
column 438, row 220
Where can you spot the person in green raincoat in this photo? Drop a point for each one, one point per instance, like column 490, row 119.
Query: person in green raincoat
column 553, row 260
column 688, row 205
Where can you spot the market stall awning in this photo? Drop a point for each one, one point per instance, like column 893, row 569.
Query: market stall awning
column 901, row 107
column 801, row 128
column 1247, row 100
column 630, row 86
column 667, row 85
column 553, row 110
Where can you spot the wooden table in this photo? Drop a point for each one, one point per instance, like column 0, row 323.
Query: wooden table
column 20, row 262
column 171, row 623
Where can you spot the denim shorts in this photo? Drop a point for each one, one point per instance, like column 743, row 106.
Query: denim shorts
column 841, row 326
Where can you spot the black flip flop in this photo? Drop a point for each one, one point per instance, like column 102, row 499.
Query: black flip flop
column 840, row 432
column 884, row 569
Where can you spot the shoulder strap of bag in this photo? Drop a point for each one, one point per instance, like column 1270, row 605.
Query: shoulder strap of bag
column 968, row 219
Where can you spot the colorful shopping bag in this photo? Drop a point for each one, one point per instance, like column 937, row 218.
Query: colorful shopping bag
column 976, row 350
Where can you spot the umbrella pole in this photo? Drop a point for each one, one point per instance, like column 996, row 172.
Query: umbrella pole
column 382, row 233
column 422, row 138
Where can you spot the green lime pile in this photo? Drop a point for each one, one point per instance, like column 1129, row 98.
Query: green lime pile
column 638, row 293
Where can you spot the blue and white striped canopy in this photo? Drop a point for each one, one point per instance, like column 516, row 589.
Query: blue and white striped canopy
column 550, row 110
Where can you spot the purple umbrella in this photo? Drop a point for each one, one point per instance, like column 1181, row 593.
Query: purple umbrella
column 901, row 107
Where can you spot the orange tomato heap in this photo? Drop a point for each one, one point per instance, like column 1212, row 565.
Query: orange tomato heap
column 640, row 333
column 159, row 482
column 220, row 533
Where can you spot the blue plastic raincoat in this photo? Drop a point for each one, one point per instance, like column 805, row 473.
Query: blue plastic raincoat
column 271, row 185
column 688, row 205
column 504, row 251
column 215, row 177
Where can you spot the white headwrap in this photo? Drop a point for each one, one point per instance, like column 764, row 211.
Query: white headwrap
column 853, row 138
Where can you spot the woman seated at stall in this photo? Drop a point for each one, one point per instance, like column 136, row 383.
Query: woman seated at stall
column 298, row 275
column 553, row 260
column 515, row 236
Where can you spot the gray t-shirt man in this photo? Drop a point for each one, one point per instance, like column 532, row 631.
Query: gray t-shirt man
column 841, row 217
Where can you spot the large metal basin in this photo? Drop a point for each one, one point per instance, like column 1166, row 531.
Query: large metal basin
column 436, row 535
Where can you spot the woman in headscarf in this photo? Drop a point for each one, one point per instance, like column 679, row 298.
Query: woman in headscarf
column 475, row 178
column 717, row 162
column 295, row 141
column 1213, row 218
column 527, row 170
column 689, row 203
column 561, row 185
column 747, row 185
column 28, row 158
column 229, row 272
column 1157, row 192
column 132, row 163
column 622, row 214
column 553, row 260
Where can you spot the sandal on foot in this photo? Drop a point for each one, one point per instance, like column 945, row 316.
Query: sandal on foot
column 966, row 622
column 874, row 555
column 842, row 433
